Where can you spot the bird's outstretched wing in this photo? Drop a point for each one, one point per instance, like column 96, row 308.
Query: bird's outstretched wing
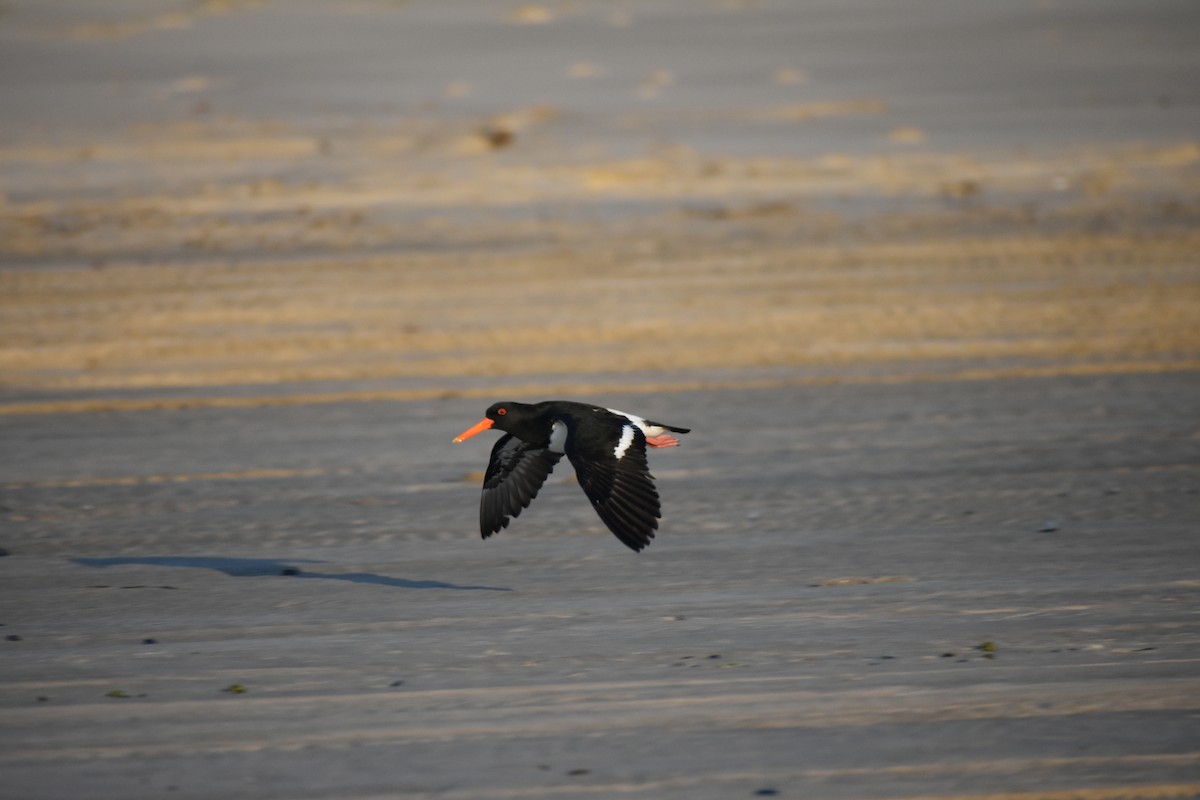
column 621, row 490
column 515, row 473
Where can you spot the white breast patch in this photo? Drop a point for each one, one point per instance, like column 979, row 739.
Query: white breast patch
column 558, row 437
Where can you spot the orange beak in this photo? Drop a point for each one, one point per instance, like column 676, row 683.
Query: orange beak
column 478, row 427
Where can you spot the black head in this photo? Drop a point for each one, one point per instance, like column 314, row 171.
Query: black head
column 505, row 415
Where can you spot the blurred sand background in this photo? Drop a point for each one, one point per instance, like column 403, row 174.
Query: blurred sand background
column 217, row 193
column 923, row 276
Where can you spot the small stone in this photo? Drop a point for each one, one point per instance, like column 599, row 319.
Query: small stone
column 579, row 771
column 118, row 693
column 497, row 138
column 397, row 683
column 149, row 641
column 290, row 571
column 12, row 637
column 766, row 791
column 1049, row 526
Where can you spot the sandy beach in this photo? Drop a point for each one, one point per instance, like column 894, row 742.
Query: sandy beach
column 923, row 279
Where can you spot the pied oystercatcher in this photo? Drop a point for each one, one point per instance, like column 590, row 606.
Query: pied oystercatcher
column 606, row 447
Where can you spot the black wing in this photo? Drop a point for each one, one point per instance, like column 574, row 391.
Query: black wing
column 515, row 473
column 622, row 491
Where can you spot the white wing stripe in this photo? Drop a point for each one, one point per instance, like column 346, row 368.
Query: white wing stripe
column 649, row 430
column 626, row 440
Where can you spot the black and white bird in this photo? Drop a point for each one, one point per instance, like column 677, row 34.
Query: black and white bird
column 606, row 447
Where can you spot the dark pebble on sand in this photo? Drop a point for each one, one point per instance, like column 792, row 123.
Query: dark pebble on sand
column 12, row 637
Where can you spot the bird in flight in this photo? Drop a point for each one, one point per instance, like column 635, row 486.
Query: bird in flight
column 607, row 448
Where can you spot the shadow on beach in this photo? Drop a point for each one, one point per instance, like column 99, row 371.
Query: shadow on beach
column 266, row 567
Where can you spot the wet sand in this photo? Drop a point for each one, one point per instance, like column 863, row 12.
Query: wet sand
column 922, row 280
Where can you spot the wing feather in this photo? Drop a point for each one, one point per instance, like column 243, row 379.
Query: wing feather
column 622, row 491
column 515, row 473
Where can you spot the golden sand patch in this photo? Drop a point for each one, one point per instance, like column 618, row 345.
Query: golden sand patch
column 733, row 271
column 1049, row 300
column 862, row 581
column 834, row 108
column 906, row 135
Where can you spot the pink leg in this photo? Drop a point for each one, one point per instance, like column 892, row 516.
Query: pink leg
column 662, row 440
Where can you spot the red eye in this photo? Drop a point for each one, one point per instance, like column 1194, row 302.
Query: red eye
column 500, row 412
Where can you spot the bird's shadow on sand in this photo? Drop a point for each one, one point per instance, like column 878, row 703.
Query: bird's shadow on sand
column 264, row 567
